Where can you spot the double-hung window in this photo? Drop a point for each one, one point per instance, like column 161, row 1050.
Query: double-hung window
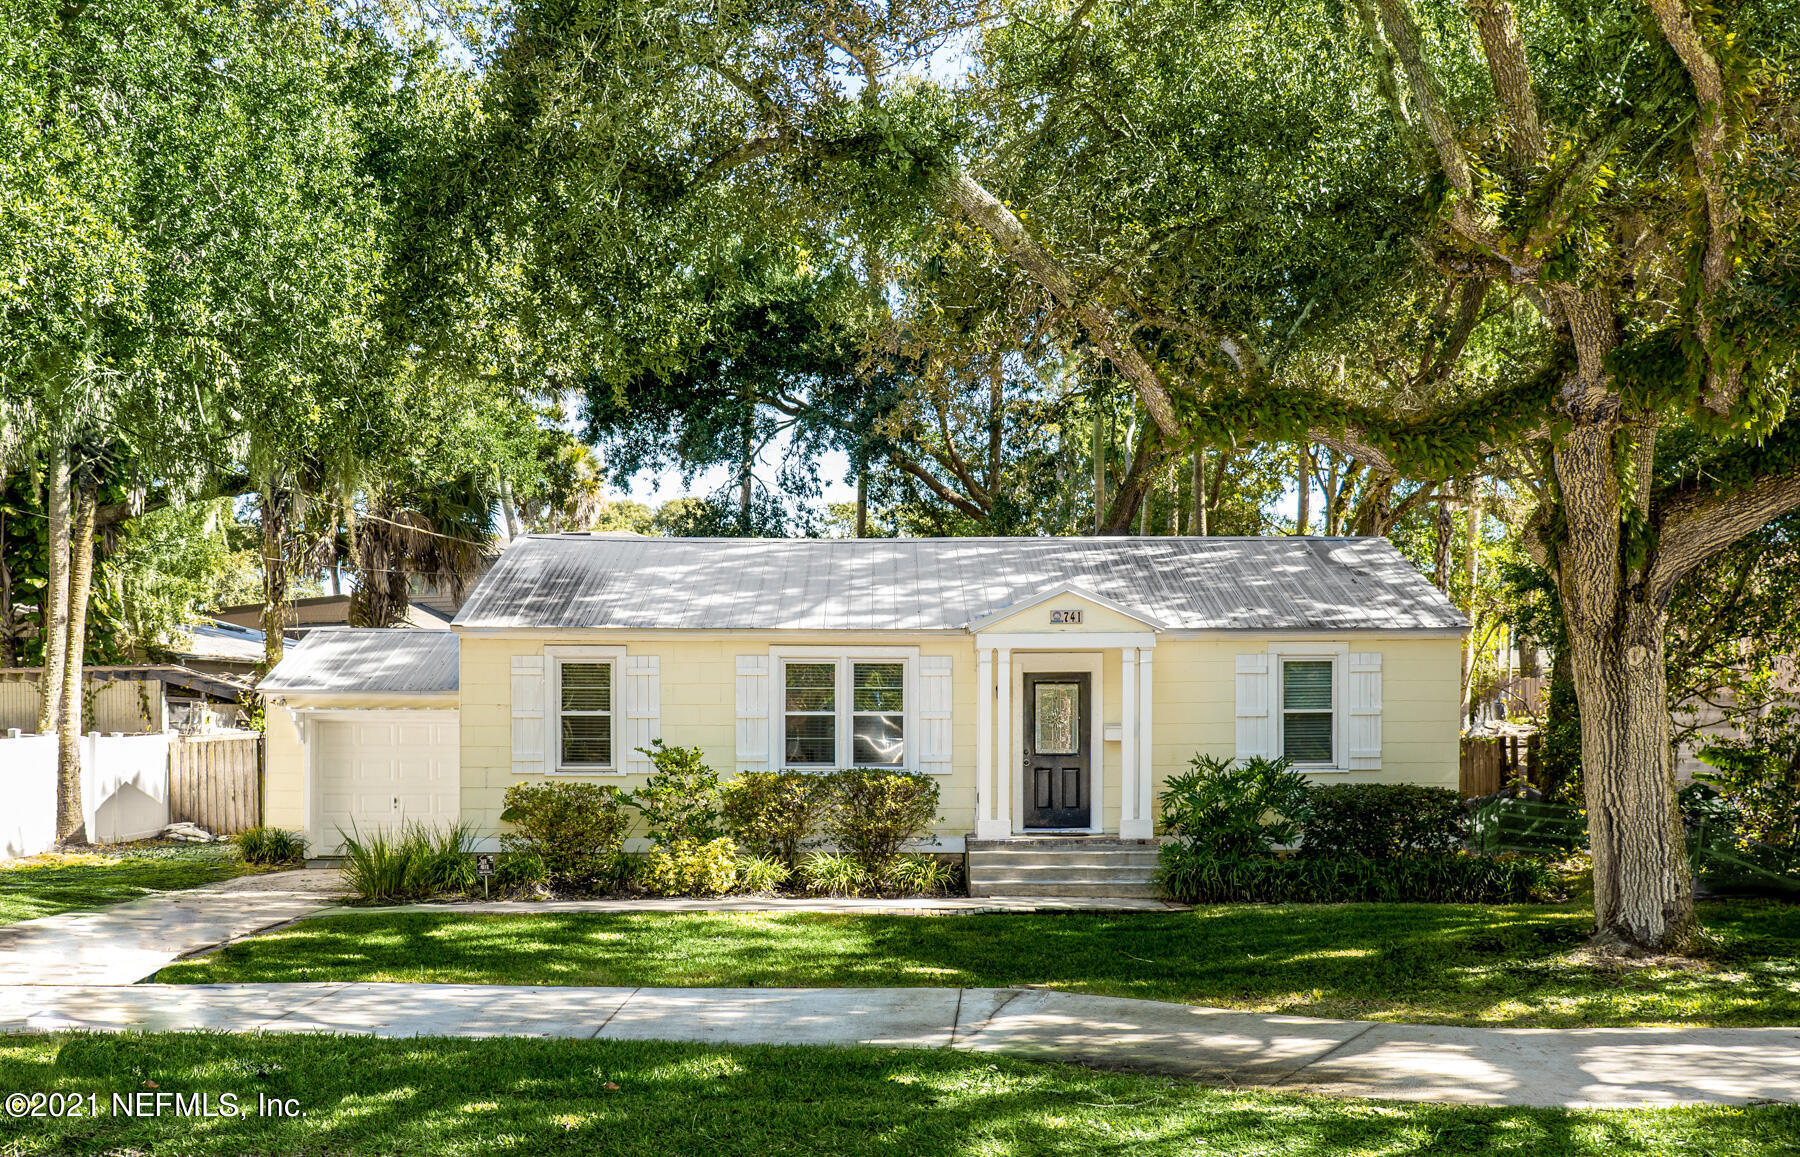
column 843, row 713
column 1307, row 701
column 585, row 704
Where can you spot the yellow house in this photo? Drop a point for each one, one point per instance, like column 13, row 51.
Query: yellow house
column 1049, row 684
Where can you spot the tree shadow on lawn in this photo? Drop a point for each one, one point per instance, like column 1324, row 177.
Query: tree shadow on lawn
column 434, row 1095
column 1448, row 963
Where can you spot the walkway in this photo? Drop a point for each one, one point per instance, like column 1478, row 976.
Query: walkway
column 76, row 971
column 129, row 941
column 1574, row 1068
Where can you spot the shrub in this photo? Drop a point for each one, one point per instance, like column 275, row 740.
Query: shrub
column 1191, row 876
column 770, row 813
column 680, row 799
column 1223, row 808
column 825, row 874
column 685, row 867
column 520, row 871
column 270, row 846
column 923, row 875
column 761, row 874
column 413, row 863
column 1380, row 820
column 874, row 814
column 576, row 830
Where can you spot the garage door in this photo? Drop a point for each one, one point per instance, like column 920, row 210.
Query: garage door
column 377, row 775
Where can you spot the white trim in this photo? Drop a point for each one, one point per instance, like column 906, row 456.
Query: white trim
column 1129, row 765
column 1140, row 824
column 1006, row 760
column 554, row 658
column 846, row 650
column 1093, row 665
column 1062, row 641
column 1062, row 590
column 988, row 825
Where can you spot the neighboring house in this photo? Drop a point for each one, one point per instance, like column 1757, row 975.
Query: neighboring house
column 310, row 614
column 132, row 700
column 1050, row 685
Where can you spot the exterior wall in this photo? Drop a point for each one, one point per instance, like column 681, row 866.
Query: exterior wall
column 1194, row 706
column 284, row 758
column 698, row 708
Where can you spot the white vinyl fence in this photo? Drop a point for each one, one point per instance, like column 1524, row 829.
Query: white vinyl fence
column 124, row 789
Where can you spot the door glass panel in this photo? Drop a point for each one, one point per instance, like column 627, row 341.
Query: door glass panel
column 1055, row 709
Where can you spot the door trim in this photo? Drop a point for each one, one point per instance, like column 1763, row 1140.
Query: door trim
column 1092, row 664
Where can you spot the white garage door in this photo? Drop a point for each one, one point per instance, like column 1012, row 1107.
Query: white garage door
column 376, row 775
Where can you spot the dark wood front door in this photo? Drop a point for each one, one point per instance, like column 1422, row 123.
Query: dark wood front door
column 1057, row 756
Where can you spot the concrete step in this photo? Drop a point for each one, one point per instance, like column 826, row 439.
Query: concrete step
column 1035, row 858
column 1097, row 874
column 1007, row 887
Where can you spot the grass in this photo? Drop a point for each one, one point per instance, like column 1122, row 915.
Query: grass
column 54, row 882
column 1432, row 963
column 623, row 1098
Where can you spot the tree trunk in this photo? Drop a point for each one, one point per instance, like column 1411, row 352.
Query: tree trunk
column 746, row 467
column 1197, row 524
column 9, row 654
column 1303, row 518
column 1643, row 895
column 1099, row 468
column 69, row 823
column 862, row 502
column 509, row 510
column 1440, row 554
column 55, row 608
column 275, row 577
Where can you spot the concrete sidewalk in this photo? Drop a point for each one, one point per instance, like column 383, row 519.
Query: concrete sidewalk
column 129, row 941
column 1584, row 1068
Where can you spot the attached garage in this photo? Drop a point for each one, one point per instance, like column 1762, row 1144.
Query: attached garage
column 369, row 717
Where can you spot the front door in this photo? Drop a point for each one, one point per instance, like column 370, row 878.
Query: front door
column 1057, row 755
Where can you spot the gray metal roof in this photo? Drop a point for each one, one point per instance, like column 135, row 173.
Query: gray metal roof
column 385, row 661
column 912, row 584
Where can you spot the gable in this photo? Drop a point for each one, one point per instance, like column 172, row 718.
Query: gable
column 1064, row 610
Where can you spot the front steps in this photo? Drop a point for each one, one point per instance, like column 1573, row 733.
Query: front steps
column 1062, row 866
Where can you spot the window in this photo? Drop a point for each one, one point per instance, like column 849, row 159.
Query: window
column 844, row 713
column 585, row 715
column 811, row 714
column 1306, row 716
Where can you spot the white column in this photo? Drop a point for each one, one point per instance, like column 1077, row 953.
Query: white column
column 1140, row 825
column 1128, row 738
column 1005, row 758
column 985, row 826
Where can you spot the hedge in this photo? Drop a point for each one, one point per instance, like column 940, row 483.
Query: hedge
column 1191, row 877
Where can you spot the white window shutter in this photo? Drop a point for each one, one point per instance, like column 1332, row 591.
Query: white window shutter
column 753, row 712
column 528, row 729
column 1364, row 741
column 643, row 711
column 1255, row 721
column 934, row 715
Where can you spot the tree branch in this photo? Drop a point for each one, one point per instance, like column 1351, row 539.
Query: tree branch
column 1694, row 525
column 1498, row 27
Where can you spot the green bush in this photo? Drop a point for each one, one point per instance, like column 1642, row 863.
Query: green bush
column 270, row 846
column 771, row 813
column 577, row 830
column 520, row 871
column 1380, row 821
column 680, row 799
column 415, row 862
column 685, row 867
column 923, row 875
column 1191, row 876
column 1223, row 809
column 761, row 874
column 825, row 874
column 874, row 814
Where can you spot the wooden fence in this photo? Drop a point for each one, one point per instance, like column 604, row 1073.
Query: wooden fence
column 1489, row 763
column 215, row 780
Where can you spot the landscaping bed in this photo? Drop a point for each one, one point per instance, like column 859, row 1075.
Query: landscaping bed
column 56, row 882
column 1431, row 963
column 449, row 1097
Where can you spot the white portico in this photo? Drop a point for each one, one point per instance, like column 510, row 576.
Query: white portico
column 1063, row 692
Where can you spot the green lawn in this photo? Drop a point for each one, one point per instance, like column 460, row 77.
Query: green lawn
column 48, row 884
column 444, row 1097
column 1448, row 964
